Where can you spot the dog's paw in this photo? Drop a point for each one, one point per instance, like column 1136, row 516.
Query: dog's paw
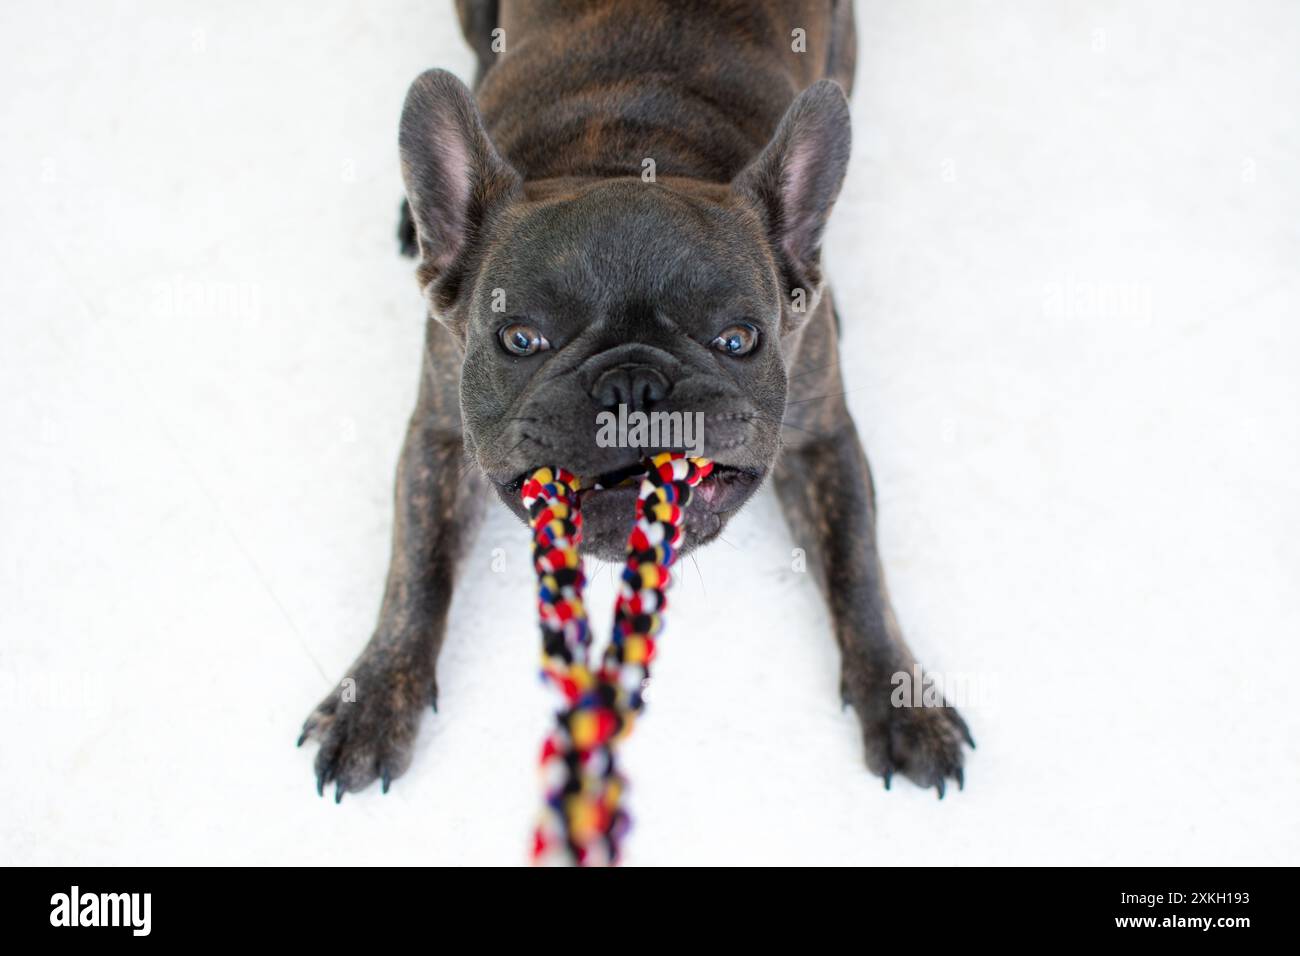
column 923, row 743
column 366, row 728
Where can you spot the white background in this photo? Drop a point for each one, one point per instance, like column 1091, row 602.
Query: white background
column 1066, row 261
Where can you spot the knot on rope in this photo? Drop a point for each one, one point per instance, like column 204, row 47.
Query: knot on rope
column 583, row 820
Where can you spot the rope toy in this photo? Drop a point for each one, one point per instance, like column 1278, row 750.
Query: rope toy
column 583, row 820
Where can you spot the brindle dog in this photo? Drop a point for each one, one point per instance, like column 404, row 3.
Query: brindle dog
column 567, row 274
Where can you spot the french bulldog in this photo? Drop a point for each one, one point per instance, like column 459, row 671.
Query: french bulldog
column 627, row 212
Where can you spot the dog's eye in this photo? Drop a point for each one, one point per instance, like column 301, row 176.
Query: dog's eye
column 520, row 339
column 736, row 339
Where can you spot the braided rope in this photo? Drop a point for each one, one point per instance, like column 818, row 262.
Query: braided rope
column 583, row 820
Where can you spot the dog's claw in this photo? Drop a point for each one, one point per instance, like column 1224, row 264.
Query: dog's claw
column 889, row 776
column 338, row 793
column 961, row 725
column 940, row 787
column 301, row 738
column 385, row 780
column 320, row 785
column 965, row 733
column 961, row 778
column 407, row 242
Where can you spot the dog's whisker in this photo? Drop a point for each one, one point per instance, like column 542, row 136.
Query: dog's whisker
column 812, row 371
column 699, row 574
column 781, row 422
column 822, row 398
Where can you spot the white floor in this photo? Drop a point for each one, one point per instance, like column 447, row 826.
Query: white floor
column 1067, row 262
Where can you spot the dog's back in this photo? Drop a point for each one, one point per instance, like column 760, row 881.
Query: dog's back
column 580, row 88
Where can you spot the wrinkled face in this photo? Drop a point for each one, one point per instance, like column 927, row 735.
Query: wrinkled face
column 626, row 300
column 605, row 320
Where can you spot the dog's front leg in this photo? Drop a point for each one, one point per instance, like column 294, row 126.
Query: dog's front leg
column 367, row 724
column 825, row 486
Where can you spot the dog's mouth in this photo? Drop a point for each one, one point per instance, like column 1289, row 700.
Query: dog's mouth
column 722, row 484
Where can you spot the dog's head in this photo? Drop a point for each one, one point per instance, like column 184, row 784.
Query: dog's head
column 602, row 320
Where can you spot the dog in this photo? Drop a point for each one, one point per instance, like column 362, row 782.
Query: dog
column 627, row 213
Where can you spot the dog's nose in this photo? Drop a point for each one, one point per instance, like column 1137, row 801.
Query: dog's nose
column 638, row 387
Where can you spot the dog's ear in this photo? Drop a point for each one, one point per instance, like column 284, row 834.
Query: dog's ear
column 455, row 179
column 795, row 180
